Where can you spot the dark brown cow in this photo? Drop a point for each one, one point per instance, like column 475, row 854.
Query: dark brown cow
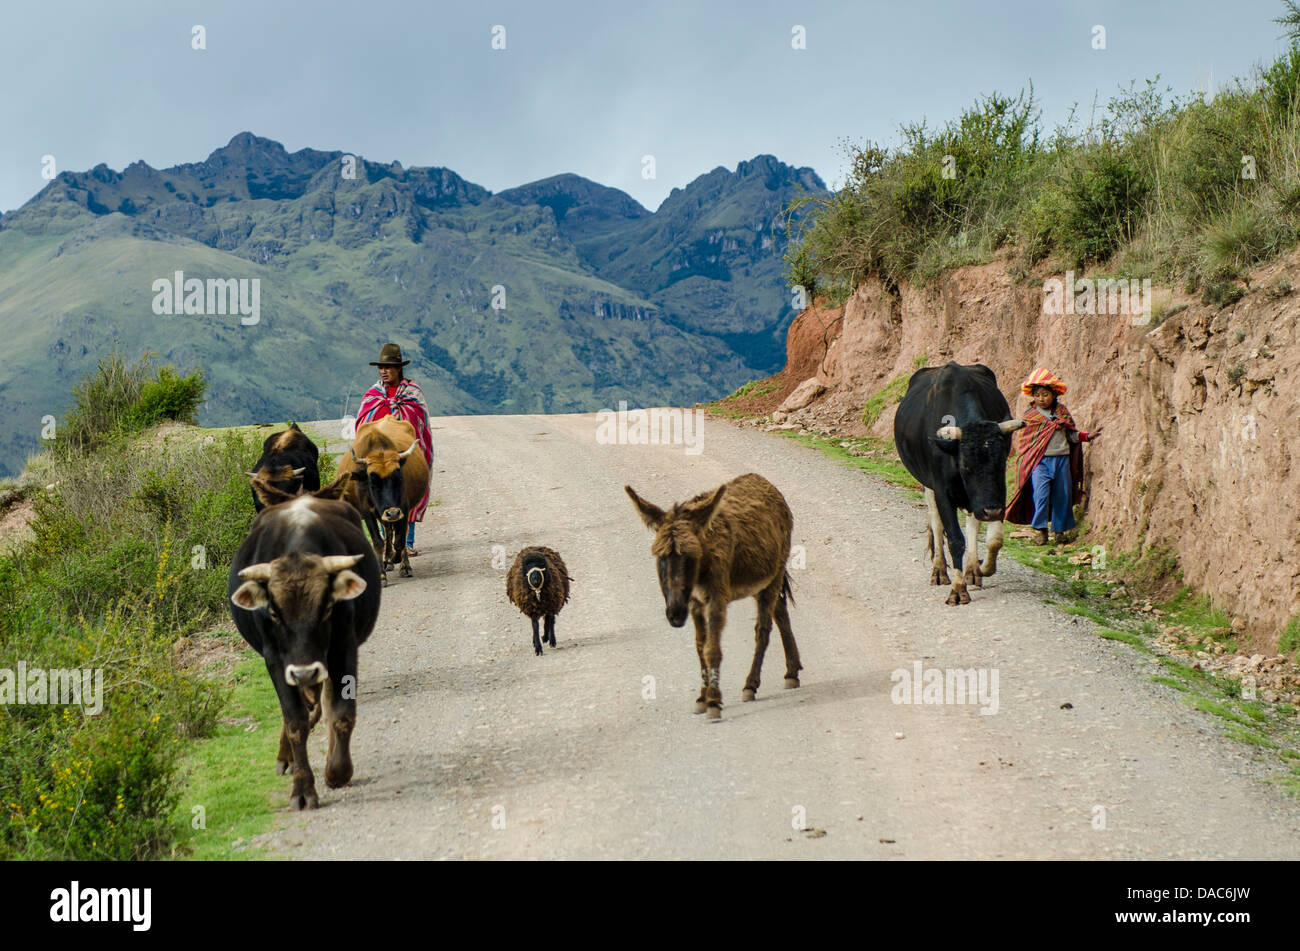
column 389, row 477
column 290, row 462
column 730, row 543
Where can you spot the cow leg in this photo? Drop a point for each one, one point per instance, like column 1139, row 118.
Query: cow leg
column 957, row 548
column 717, row 619
column 766, row 601
column 340, row 719
column 701, row 635
column 399, row 541
column 970, row 566
column 550, row 629
column 537, row 643
column 294, row 730
column 377, row 539
column 994, row 543
column 792, row 664
column 284, row 758
column 934, row 542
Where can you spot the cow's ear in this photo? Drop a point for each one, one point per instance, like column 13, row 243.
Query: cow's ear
column 950, row 446
column 251, row 596
column 651, row 514
column 347, row 585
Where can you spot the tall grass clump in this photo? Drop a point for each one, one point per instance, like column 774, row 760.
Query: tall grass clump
column 123, row 399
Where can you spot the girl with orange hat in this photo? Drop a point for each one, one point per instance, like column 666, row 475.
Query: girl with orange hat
column 1049, row 472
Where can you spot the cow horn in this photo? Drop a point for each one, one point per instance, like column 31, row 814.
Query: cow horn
column 297, row 473
column 335, row 563
column 406, row 452
column 258, row 572
column 360, row 462
column 1011, row 425
column 949, row 432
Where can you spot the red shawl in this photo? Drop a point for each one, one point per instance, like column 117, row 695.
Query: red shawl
column 1034, row 438
column 408, row 404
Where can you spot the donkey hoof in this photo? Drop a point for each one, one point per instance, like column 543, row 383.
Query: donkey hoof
column 700, row 706
column 747, row 694
column 791, row 683
column 714, row 713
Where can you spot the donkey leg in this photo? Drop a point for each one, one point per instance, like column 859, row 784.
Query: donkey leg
column 537, row 643
column 717, row 619
column 766, row 601
column 792, row 664
column 701, row 634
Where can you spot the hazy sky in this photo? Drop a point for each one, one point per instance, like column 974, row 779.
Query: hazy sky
column 586, row 88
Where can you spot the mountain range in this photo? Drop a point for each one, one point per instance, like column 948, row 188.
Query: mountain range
column 562, row 295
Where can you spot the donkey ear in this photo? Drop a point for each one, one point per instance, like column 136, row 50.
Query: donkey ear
column 652, row 515
column 704, row 514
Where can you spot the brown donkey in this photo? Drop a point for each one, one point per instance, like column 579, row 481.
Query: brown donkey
column 719, row 547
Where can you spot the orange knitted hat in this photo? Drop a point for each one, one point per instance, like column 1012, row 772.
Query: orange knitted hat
column 1042, row 377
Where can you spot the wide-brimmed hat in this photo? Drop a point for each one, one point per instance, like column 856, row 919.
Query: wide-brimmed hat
column 1042, row 377
column 390, row 355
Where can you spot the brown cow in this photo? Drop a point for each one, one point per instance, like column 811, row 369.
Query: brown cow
column 719, row 547
column 389, row 477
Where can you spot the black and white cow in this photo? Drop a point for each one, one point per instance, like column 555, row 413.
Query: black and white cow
column 953, row 432
column 304, row 588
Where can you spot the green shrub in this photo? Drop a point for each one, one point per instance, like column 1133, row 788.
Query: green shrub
column 128, row 554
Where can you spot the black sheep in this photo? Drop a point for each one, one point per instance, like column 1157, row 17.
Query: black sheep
column 538, row 585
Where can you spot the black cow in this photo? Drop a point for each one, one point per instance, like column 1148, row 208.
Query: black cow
column 305, row 592
column 290, row 462
column 953, row 433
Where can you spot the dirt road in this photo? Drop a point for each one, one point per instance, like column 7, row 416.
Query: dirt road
column 469, row 746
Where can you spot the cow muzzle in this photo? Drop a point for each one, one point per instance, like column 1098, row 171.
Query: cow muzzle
column 300, row 675
column 992, row 515
column 392, row 515
column 676, row 616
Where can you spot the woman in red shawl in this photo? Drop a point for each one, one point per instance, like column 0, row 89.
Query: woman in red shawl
column 1051, row 460
column 395, row 395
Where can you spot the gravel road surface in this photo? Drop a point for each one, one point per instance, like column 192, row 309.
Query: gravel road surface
column 469, row 746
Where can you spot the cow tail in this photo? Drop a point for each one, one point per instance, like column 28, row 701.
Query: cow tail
column 787, row 589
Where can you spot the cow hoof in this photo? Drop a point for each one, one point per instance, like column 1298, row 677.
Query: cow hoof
column 974, row 579
column 700, row 706
column 940, row 578
column 343, row 777
column 791, row 683
column 303, row 801
column 405, row 572
column 714, row 713
column 747, row 695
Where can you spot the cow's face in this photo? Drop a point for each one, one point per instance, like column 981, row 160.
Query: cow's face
column 287, row 479
column 677, row 547
column 981, row 449
column 381, row 475
column 298, row 592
